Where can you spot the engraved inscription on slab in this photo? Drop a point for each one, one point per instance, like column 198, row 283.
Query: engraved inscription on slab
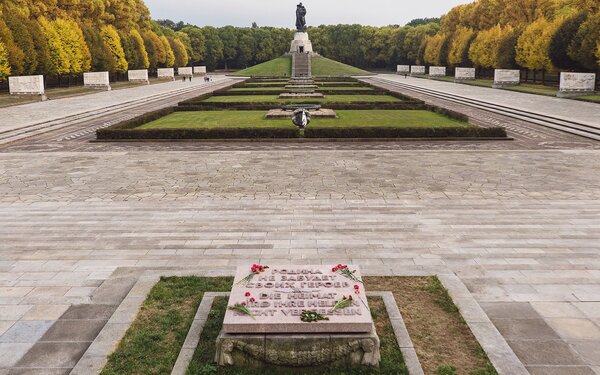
column 26, row 85
column 417, row 69
column 138, row 75
column 403, row 68
column 437, row 71
column 165, row 73
column 96, row 79
column 577, row 81
column 505, row 76
column 185, row 71
column 298, row 299
column 464, row 73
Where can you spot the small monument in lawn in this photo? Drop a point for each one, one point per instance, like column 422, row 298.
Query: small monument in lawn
column 298, row 316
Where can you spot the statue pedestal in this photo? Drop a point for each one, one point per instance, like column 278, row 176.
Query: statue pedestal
column 301, row 43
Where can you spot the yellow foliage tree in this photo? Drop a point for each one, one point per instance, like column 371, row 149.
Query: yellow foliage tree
column 59, row 59
column 111, row 39
column 598, row 52
column 434, row 49
column 4, row 65
column 458, row 52
column 533, row 46
column 169, row 55
column 140, row 49
column 481, row 52
column 73, row 43
column 179, row 51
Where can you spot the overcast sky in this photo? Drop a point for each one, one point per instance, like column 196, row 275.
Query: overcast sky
column 282, row 12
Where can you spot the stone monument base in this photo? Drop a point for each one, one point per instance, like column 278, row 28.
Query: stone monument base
column 314, row 113
column 505, row 84
column 99, row 87
column 301, row 87
column 40, row 97
column 301, row 43
column 298, row 350
column 573, row 94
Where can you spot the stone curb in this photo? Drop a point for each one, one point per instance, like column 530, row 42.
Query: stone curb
column 402, row 336
column 193, row 336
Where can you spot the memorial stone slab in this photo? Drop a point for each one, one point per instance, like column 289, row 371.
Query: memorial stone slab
column 199, row 70
column 464, row 73
column 26, row 85
column 576, row 84
column 417, row 70
column 97, row 80
column 437, row 71
column 140, row 75
column 166, row 73
column 402, row 69
column 185, row 71
column 506, row 77
column 278, row 296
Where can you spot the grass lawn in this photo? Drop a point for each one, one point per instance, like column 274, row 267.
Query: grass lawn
column 530, row 88
column 349, row 118
column 152, row 344
column 322, row 66
column 281, row 66
column 442, row 339
column 328, row 98
column 592, row 98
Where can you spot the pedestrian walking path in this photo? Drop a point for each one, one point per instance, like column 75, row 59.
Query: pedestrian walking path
column 563, row 109
column 22, row 116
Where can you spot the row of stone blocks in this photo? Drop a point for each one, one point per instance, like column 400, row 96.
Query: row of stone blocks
column 571, row 84
column 34, row 85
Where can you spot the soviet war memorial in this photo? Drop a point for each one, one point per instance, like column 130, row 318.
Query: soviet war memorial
column 331, row 187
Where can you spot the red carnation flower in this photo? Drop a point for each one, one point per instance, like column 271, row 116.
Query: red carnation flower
column 252, row 299
column 247, row 294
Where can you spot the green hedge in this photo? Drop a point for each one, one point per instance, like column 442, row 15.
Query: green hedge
column 120, row 133
column 389, row 132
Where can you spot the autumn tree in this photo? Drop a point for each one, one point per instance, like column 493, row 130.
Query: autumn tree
column 584, row 45
column 59, row 59
column 16, row 56
column 458, row 49
column 102, row 58
column 561, row 40
column 179, row 52
column 197, row 43
column 533, row 46
column 169, row 60
column 4, row 63
column 155, row 49
column 77, row 53
column 436, row 50
column 19, row 27
column 111, row 39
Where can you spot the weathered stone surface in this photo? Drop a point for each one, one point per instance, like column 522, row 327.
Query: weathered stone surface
column 506, row 77
column 99, row 80
column 464, row 73
column 417, row 69
column 185, row 71
column 199, row 69
column 300, row 87
column 140, row 75
column 166, row 73
column 321, row 113
column 575, row 84
column 278, row 296
column 403, row 69
column 298, row 351
column 301, row 43
column 437, row 71
column 26, row 85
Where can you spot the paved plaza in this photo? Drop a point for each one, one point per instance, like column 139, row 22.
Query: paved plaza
column 518, row 222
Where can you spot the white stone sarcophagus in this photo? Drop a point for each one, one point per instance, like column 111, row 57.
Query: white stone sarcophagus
column 418, row 70
column 506, row 77
column 576, row 84
column 403, row 69
column 186, row 71
column 201, row 70
column 461, row 74
column 27, row 85
column 437, row 71
column 166, row 73
column 97, row 80
column 140, row 76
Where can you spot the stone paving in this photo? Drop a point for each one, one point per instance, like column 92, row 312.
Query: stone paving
column 520, row 226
